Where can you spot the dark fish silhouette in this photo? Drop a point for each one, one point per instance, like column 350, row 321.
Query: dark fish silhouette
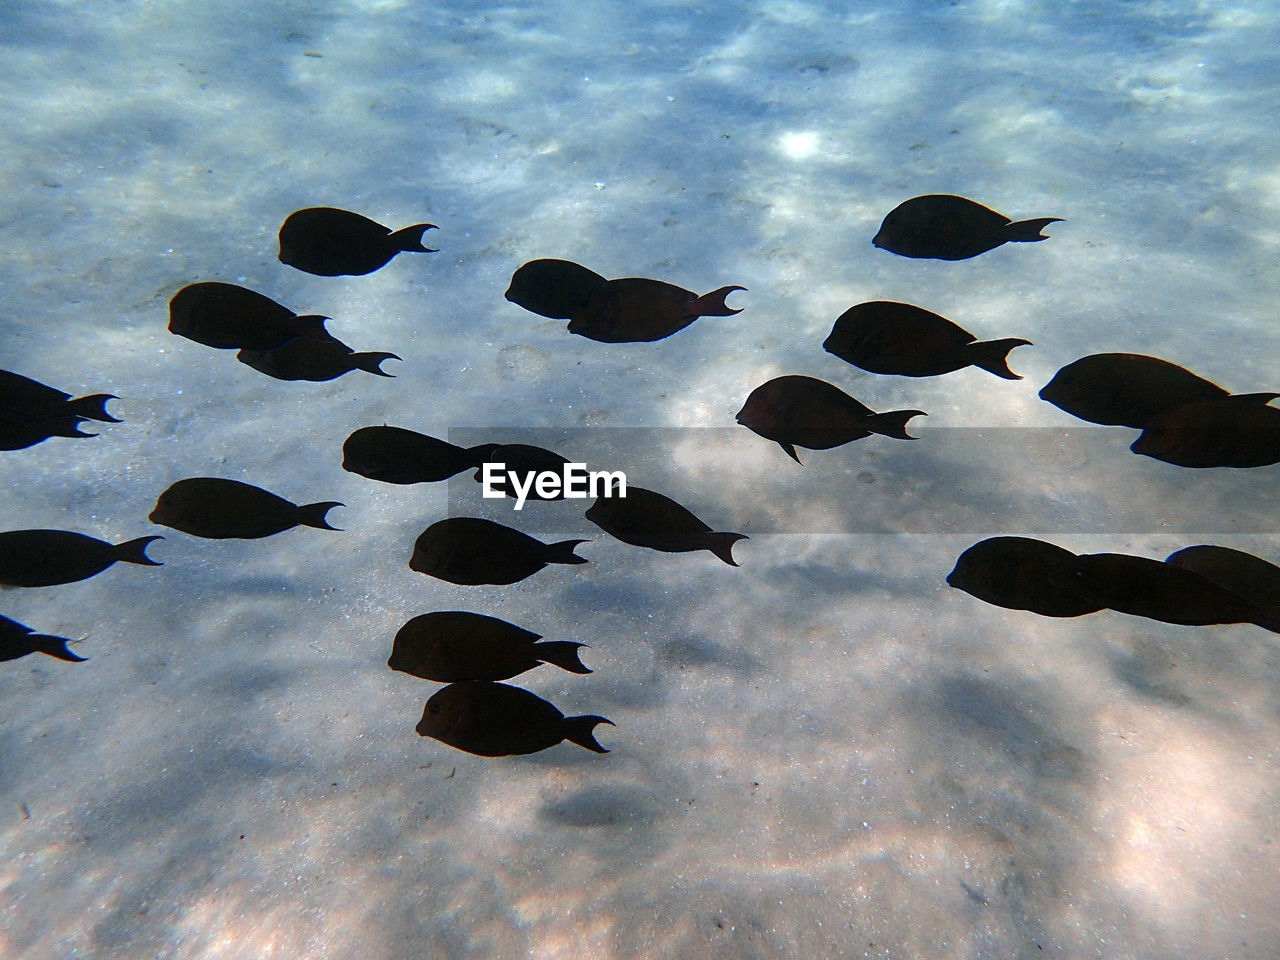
column 313, row 358
column 42, row 558
column 1235, row 431
column 330, row 242
column 1242, row 573
column 523, row 459
column 18, row 433
column 558, row 289
column 31, row 412
column 397, row 455
column 18, row 640
column 798, row 411
column 229, row 317
column 897, row 338
column 1021, row 573
column 22, row 395
column 453, row 645
column 497, row 720
column 636, row 310
column 471, row 550
column 1162, row 591
column 945, row 227
column 648, row 519
column 1125, row 389
column 220, row 509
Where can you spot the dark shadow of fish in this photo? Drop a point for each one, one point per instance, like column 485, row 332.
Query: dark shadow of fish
column 43, row 558
column 313, row 359
column 638, row 310
column 1125, row 389
column 452, row 645
column 1021, row 573
column 472, row 550
column 797, row 411
column 946, row 227
column 329, row 242
column 1236, row 431
column 228, row 317
column 397, row 455
column 31, row 412
column 526, row 462
column 647, row 519
column 556, row 289
column 497, row 720
column 1242, row 573
column 18, row 640
column 1164, row 592
column 897, row 338
column 219, row 509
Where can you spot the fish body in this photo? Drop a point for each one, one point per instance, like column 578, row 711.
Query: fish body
column 18, row 640
column 1161, row 591
column 452, row 645
column 946, row 227
column 42, row 558
column 229, row 317
column 315, row 359
column 219, row 509
column 1236, row 431
column 647, row 519
column 397, row 455
column 523, row 459
column 557, row 289
column 1021, row 573
column 1242, row 573
column 1125, row 389
column 639, row 310
column 497, row 720
column 798, row 411
column 472, row 550
column 883, row 336
column 330, row 242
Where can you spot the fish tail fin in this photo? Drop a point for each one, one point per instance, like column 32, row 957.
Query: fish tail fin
column 892, row 424
column 54, row 646
column 313, row 514
column 993, row 356
column 66, row 427
column 791, row 451
column 1028, row 231
column 368, row 362
column 712, row 304
column 1255, row 397
column 721, row 544
column 581, row 730
column 135, row 551
column 410, row 238
column 561, row 653
column 93, row 407
column 562, row 552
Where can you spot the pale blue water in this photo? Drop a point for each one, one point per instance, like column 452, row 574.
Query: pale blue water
column 826, row 752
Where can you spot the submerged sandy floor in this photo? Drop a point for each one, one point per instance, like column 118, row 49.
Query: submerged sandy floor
column 825, row 752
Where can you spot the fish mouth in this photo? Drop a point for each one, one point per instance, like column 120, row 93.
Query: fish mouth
column 507, row 296
column 875, row 241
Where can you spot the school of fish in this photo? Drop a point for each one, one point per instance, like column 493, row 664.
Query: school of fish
column 1183, row 419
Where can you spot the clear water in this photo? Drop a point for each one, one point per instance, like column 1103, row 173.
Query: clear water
column 824, row 753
